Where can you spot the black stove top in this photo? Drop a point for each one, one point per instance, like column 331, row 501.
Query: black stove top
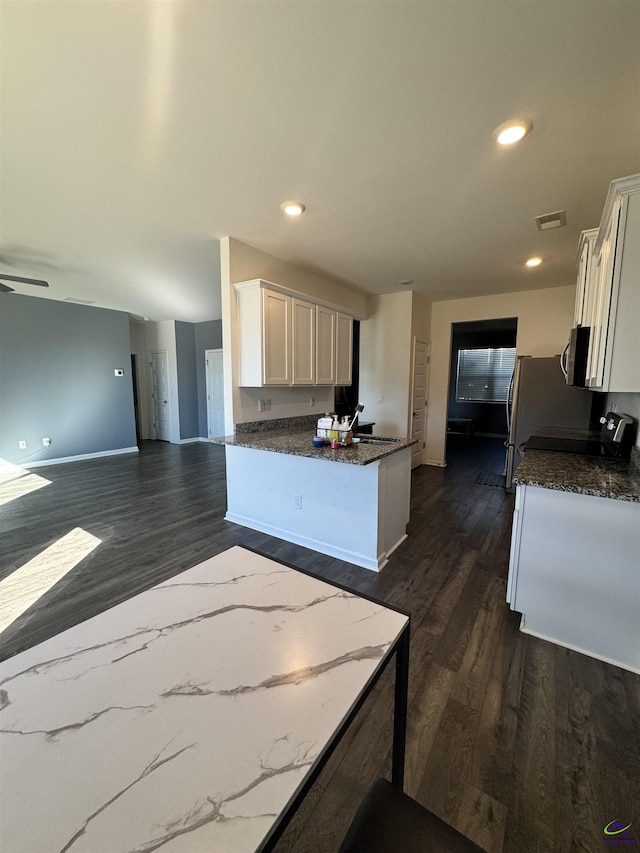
column 583, row 446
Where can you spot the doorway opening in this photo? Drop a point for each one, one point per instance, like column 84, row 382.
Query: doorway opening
column 483, row 355
column 346, row 396
column 136, row 396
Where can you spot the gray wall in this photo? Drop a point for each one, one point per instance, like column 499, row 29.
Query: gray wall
column 187, row 384
column 192, row 339
column 56, row 379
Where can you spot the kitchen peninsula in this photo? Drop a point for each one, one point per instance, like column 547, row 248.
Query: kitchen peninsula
column 351, row 503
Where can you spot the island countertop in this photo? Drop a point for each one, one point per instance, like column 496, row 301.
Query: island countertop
column 586, row 475
column 298, row 443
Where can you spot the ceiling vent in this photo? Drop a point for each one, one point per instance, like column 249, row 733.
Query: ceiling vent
column 551, row 220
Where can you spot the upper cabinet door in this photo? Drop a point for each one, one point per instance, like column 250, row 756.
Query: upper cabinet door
column 614, row 349
column 344, row 348
column 276, row 340
column 303, row 342
column 585, row 284
column 325, row 346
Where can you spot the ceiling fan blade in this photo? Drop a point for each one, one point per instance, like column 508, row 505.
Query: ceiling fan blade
column 4, row 288
column 21, row 280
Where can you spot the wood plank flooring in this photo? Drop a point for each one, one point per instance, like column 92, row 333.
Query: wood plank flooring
column 522, row 745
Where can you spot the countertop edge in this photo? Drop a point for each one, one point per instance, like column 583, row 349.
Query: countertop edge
column 300, row 445
column 573, row 473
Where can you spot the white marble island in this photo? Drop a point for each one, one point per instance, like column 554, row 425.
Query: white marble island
column 187, row 718
column 351, row 503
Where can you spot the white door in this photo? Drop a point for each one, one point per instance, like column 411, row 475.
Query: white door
column 419, row 400
column 160, row 395
column 215, row 392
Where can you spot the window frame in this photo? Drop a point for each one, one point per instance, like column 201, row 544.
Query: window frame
column 496, row 375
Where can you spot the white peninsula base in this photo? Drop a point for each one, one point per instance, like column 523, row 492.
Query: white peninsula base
column 357, row 513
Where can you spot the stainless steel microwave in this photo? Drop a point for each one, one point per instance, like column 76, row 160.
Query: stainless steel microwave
column 578, row 352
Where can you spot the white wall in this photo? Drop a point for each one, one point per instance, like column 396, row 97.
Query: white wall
column 545, row 318
column 239, row 262
column 385, row 362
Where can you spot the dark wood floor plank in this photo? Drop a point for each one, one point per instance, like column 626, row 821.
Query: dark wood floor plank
column 482, row 819
column 441, row 787
column 534, row 756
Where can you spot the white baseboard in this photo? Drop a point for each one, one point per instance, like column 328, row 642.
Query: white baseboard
column 191, row 440
column 556, row 642
column 323, row 548
column 439, row 463
column 62, row 459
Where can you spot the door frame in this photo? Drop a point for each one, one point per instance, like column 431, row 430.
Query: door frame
column 427, row 346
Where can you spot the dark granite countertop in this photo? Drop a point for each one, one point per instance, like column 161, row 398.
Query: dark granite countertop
column 298, row 443
column 585, row 475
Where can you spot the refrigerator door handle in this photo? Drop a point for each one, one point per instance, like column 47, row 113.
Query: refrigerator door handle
column 563, row 360
column 508, row 402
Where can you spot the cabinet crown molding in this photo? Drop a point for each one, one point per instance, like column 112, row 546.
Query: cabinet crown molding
column 295, row 294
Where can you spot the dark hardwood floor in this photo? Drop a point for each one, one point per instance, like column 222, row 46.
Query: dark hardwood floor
column 522, row 745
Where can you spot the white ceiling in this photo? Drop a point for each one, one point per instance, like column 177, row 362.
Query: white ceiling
column 135, row 134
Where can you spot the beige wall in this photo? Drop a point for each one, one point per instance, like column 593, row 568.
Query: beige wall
column 385, row 362
column 545, row 318
column 239, row 262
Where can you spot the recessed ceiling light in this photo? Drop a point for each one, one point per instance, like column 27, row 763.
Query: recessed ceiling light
column 292, row 208
column 406, row 282
column 512, row 131
column 533, row 262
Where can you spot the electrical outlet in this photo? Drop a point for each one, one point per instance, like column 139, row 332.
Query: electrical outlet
column 297, row 501
column 46, row 442
column 262, row 406
column 379, row 398
column 312, row 401
column 267, row 405
column 22, row 444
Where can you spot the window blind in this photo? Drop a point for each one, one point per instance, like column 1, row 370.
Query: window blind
column 484, row 374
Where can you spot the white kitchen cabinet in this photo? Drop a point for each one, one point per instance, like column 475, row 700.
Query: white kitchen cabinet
column 286, row 339
column 573, row 585
column 264, row 335
column 303, row 342
column 614, row 344
column 344, row 348
column 325, row 346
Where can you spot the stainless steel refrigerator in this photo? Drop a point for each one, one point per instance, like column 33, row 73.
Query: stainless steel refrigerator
column 540, row 397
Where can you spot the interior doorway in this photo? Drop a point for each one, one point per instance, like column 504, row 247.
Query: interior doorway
column 214, row 373
column 481, row 366
column 346, row 396
column 136, row 395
